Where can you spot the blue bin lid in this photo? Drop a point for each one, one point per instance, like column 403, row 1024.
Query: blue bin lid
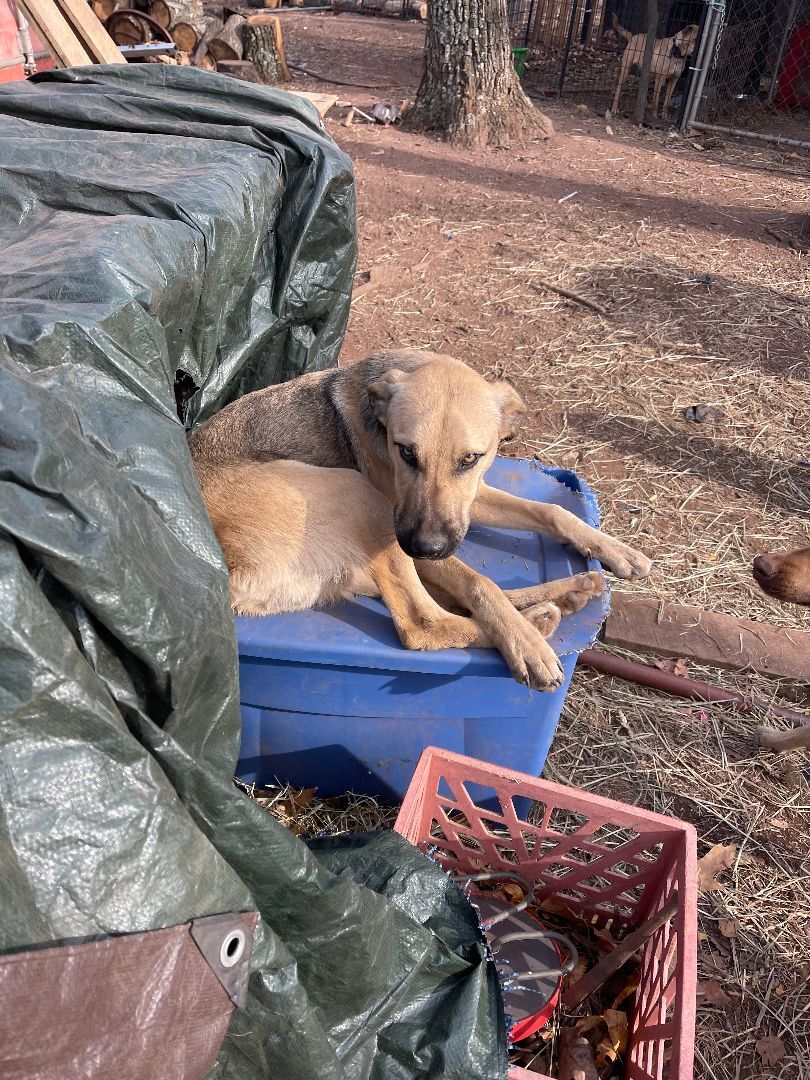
column 360, row 633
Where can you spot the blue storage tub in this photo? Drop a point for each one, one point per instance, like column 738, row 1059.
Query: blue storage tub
column 330, row 699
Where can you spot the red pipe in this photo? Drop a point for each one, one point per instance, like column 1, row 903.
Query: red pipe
column 645, row 675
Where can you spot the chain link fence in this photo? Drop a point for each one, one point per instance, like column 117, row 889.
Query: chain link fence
column 749, row 69
column 757, row 65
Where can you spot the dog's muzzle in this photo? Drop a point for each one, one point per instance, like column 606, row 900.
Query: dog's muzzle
column 432, row 546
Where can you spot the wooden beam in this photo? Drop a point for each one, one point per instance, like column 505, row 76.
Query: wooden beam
column 97, row 42
column 322, row 102
column 650, row 625
column 56, row 32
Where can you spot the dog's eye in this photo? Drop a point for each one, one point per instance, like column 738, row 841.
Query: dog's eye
column 469, row 460
column 407, row 454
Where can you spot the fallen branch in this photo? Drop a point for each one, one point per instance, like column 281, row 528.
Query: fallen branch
column 569, row 294
column 610, row 964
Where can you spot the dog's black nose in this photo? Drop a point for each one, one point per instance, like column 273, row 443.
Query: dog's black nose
column 764, row 566
column 426, row 547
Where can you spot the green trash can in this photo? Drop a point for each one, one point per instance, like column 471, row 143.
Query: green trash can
column 519, row 54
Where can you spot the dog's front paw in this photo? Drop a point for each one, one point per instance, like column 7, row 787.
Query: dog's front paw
column 531, row 660
column 621, row 559
column 543, row 617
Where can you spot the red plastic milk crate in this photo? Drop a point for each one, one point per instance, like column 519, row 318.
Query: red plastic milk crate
column 603, row 859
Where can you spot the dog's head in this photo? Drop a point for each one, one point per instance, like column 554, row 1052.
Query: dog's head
column 443, row 424
column 784, row 575
column 686, row 39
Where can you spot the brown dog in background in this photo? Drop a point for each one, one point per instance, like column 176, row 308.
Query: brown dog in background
column 784, row 575
column 334, row 483
column 668, row 61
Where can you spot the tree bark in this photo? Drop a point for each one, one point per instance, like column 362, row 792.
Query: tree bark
column 260, row 50
column 213, row 25
column 227, row 45
column 169, row 12
column 644, row 70
column 470, row 92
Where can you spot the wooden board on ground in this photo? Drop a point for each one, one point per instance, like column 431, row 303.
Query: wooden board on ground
column 96, row 41
column 56, row 33
column 653, row 626
column 322, row 102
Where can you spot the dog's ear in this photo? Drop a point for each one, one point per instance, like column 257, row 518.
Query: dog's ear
column 513, row 409
column 380, row 391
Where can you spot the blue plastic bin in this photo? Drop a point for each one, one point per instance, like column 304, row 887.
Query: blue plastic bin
column 330, row 699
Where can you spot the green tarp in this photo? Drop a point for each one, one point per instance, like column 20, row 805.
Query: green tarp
column 156, row 220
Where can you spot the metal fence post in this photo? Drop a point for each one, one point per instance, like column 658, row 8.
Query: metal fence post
column 714, row 22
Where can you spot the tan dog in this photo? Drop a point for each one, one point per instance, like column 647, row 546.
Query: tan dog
column 668, row 61
column 421, row 430
column 785, row 576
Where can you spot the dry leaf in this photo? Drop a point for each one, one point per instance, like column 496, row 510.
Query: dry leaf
column 728, row 927
column 553, row 906
column 771, row 1049
column 713, row 863
column 714, row 993
column 677, row 666
column 605, row 936
column 577, row 973
column 605, row 1054
column 588, row 1023
column 513, row 892
column 616, row 1020
column 625, row 994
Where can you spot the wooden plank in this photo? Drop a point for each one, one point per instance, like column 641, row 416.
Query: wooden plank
column 97, row 42
column 653, row 626
column 56, row 32
column 322, row 102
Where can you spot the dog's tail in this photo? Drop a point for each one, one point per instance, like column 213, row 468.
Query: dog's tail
column 620, row 30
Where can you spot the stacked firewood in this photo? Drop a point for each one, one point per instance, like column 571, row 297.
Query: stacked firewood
column 245, row 44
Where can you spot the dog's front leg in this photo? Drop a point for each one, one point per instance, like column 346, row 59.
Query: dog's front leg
column 519, row 637
column 422, row 624
column 500, row 510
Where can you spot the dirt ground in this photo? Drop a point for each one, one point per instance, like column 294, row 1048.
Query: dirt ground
column 689, row 248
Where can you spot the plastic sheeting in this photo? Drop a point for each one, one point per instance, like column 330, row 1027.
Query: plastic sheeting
column 153, row 220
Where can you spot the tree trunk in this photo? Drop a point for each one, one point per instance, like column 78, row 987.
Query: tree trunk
column 239, row 69
column 260, row 49
column 646, row 62
column 470, row 92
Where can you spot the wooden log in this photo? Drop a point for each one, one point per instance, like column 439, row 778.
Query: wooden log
column 227, row 45
column 207, row 63
column 260, row 50
column 127, row 30
column 55, row 31
column 97, row 43
column 649, row 625
column 186, row 36
column 239, row 69
column 169, row 12
column 213, row 25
